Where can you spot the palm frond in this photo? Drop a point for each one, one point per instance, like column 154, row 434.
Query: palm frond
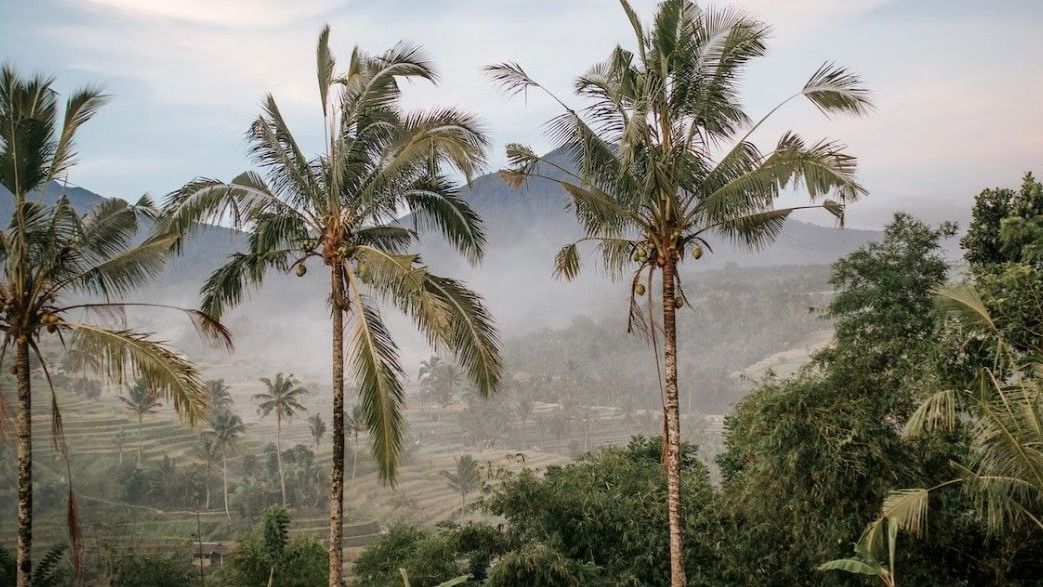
column 377, row 372
column 122, row 355
column 835, row 90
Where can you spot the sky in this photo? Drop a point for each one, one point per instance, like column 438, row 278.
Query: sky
column 957, row 84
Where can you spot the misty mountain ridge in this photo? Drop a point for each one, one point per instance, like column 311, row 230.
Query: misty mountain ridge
column 525, row 227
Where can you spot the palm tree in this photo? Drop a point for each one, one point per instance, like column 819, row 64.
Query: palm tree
column 317, row 427
column 426, row 376
column 140, row 401
column 54, row 259
column 282, row 400
column 650, row 188
column 121, row 439
column 208, row 452
column 226, row 428
column 341, row 209
column 446, row 379
column 353, row 424
column 524, row 408
column 465, row 479
column 220, row 395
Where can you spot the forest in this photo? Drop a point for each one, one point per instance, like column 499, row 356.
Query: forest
column 367, row 367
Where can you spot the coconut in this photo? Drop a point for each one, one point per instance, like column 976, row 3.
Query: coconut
column 301, row 270
column 52, row 328
column 49, row 318
column 678, row 302
column 697, row 252
column 639, row 289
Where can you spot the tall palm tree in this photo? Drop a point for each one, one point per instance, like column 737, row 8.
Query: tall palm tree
column 226, row 428
column 353, row 425
column 465, row 479
column 53, row 259
column 317, row 427
column 282, row 400
column 653, row 183
column 220, row 395
column 207, row 452
column 341, row 209
column 140, row 401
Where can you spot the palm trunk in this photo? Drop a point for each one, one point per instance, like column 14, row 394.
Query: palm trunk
column 24, row 431
column 337, row 476
column 208, row 485
column 278, row 456
column 671, row 414
column 224, row 481
column 141, row 439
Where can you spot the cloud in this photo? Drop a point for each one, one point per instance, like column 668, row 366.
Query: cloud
column 238, row 14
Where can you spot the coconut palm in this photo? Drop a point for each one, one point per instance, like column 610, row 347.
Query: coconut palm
column 665, row 161
column 225, row 429
column 53, row 259
column 281, row 398
column 341, row 210
column 353, row 424
column 140, row 401
column 220, row 395
column 317, row 427
column 465, row 479
column 207, row 452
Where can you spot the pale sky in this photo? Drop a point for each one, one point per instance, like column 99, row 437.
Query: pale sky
column 957, row 83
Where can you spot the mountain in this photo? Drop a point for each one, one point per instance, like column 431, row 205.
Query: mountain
column 525, row 228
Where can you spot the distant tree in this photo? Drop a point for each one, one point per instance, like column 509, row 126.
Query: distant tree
column 426, row 377
column 268, row 555
column 130, row 568
column 227, row 428
column 353, row 425
column 208, row 452
column 121, row 439
column 282, row 399
column 220, row 395
column 140, row 401
column 447, row 379
column 464, row 479
column 652, row 186
column 524, row 408
column 317, row 427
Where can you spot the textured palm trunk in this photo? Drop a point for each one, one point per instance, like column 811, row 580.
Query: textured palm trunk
column 278, row 456
column 671, row 413
column 24, row 433
column 224, row 481
column 208, row 484
column 337, row 476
